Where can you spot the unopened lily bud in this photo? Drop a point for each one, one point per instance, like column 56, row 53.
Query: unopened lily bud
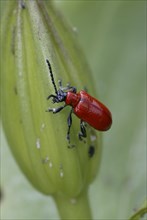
column 33, row 31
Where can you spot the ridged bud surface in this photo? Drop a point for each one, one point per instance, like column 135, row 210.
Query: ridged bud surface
column 33, row 31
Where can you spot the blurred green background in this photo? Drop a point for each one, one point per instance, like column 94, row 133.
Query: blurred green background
column 113, row 37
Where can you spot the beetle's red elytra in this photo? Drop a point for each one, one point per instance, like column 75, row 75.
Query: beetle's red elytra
column 90, row 110
column 84, row 106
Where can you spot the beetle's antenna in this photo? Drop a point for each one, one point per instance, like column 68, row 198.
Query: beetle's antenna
column 51, row 75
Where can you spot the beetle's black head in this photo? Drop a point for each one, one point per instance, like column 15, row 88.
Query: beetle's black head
column 61, row 96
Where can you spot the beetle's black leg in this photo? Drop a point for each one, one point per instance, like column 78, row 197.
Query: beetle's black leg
column 82, row 133
column 73, row 89
column 67, row 87
column 55, row 110
column 52, row 96
column 69, row 122
column 63, row 88
column 70, row 88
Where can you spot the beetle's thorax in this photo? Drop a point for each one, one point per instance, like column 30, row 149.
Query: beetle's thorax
column 72, row 99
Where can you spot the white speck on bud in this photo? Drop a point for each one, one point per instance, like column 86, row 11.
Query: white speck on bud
column 38, row 143
column 50, row 164
column 73, row 201
column 42, row 127
column 92, row 138
column 75, row 29
column 61, row 171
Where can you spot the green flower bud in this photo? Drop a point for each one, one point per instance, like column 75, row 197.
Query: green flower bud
column 33, row 31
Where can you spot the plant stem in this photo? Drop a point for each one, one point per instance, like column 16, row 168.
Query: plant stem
column 73, row 208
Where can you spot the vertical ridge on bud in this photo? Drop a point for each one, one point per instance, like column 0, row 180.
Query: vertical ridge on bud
column 24, row 80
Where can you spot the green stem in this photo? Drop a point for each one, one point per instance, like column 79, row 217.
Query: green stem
column 73, row 208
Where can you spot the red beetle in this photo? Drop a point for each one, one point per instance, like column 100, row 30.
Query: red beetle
column 84, row 106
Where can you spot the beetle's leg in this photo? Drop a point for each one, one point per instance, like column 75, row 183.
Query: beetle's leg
column 52, row 96
column 73, row 89
column 55, row 110
column 61, row 87
column 69, row 122
column 82, row 133
column 70, row 88
column 67, row 87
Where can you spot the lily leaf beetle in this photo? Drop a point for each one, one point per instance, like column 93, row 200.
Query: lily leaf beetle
column 84, row 106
